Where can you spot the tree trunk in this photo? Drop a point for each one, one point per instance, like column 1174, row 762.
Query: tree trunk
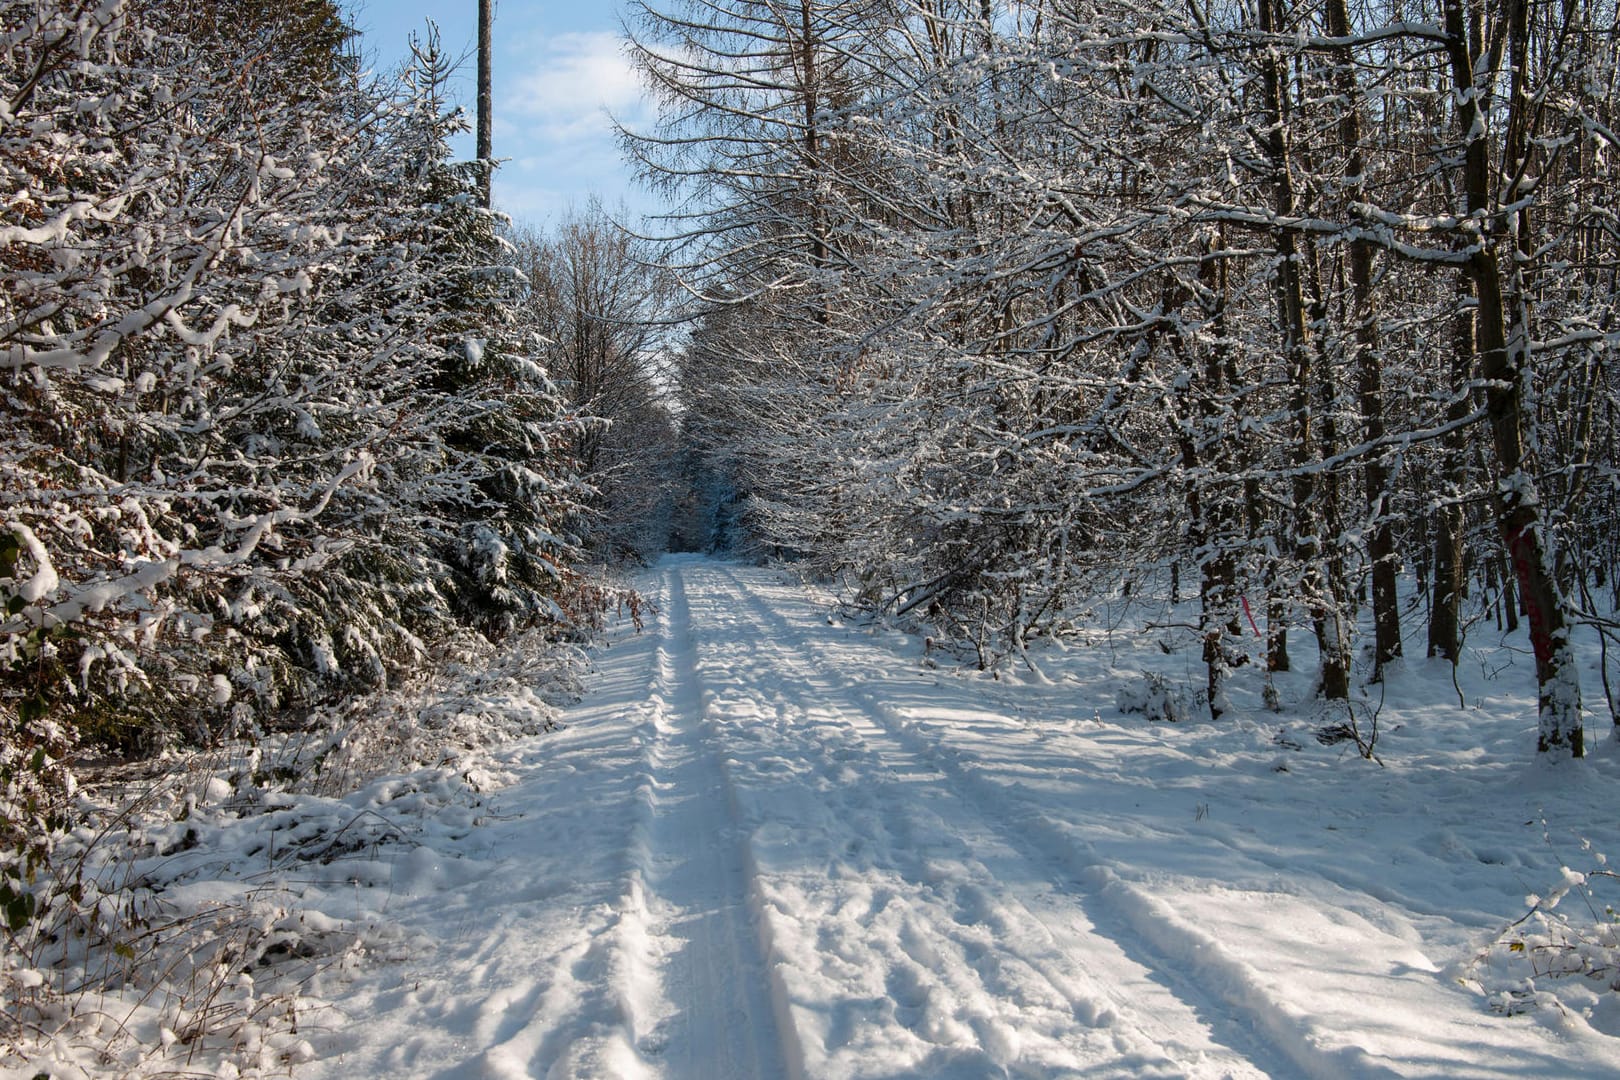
column 1502, row 337
column 812, row 134
column 1217, row 618
column 1445, row 613
column 1335, row 670
column 1367, row 363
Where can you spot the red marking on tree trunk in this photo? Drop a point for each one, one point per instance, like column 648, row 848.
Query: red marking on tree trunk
column 1521, row 551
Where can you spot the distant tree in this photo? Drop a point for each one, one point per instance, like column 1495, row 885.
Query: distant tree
column 600, row 309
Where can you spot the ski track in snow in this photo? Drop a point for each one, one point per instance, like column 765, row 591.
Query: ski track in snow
column 698, row 866
column 768, row 848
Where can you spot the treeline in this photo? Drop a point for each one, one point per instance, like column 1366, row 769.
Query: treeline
column 1013, row 301
column 278, row 423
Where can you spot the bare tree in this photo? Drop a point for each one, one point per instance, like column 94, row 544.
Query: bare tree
column 1011, row 240
column 601, row 310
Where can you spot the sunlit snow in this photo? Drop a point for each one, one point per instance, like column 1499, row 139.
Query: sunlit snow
column 773, row 844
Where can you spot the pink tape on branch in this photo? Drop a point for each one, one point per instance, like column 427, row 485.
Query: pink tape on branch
column 1250, row 614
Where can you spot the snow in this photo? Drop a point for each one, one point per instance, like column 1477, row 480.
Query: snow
column 44, row 581
column 767, row 846
column 770, row 842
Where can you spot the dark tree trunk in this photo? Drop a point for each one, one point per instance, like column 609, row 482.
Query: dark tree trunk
column 1511, row 606
column 1445, row 612
column 812, row 133
column 1501, row 333
column 1367, row 363
column 1206, row 535
column 1335, row 670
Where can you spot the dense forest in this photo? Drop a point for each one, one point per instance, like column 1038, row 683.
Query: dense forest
column 1304, row 309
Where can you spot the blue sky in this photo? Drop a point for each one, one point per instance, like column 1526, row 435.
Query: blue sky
column 558, row 72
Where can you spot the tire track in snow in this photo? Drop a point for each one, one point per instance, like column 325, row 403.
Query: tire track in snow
column 578, row 1012
column 1207, row 977
column 981, row 918
column 525, row 978
column 690, row 880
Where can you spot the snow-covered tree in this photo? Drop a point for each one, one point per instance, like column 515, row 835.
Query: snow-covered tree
column 1007, row 297
column 600, row 308
column 263, row 443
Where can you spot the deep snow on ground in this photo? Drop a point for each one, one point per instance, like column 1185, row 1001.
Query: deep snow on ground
column 771, row 843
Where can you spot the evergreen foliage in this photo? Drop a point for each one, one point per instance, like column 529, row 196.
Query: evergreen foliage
column 274, row 436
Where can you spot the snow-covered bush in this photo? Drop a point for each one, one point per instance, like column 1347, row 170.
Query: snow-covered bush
column 154, row 933
column 124, row 965
column 1153, row 696
column 442, row 716
column 1566, row 945
column 272, row 442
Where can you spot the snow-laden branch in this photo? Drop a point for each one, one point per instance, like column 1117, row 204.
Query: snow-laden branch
column 95, row 597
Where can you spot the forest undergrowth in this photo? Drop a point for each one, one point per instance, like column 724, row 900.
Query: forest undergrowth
column 168, row 930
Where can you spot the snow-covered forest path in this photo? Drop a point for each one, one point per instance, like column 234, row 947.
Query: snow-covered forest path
column 771, row 845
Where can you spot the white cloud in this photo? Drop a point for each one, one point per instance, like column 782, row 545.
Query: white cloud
column 553, row 94
column 572, row 84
